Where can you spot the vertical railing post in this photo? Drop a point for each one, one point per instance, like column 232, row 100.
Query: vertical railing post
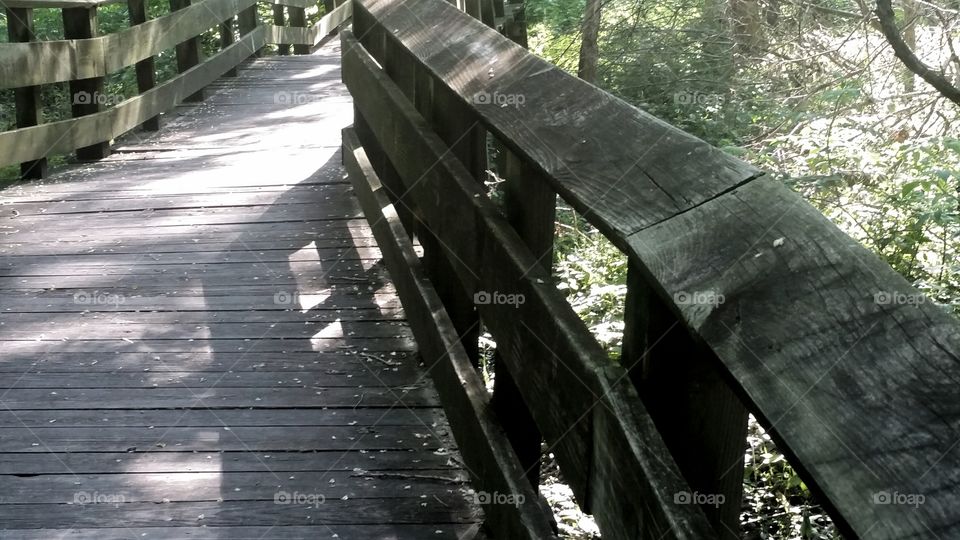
column 188, row 52
column 86, row 95
column 247, row 22
column 457, row 126
column 226, row 40
column 703, row 422
column 530, row 206
column 27, row 99
column 514, row 22
column 298, row 19
column 279, row 20
column 146, row 75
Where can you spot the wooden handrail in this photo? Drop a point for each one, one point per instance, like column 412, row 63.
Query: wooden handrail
column 36, row 63
column 606, row 444
column 741, row 294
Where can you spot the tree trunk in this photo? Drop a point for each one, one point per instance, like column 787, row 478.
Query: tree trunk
column 589, row 50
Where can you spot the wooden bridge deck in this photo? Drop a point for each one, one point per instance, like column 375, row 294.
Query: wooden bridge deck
column 198, row 339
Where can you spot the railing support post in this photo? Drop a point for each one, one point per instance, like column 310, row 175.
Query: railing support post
column 530, row 205
column 226, row 40
column 703, row 422
column 280, row 20
column 86, row 95
column 188, row 52
column 146, row 75
column 458, row 127
column 247, row 22
column 27, row 99
column 298, row 19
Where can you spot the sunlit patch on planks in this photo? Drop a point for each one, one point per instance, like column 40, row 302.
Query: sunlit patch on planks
column 198, row 338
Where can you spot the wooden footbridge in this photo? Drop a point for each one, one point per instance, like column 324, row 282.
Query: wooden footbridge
column 251, row 309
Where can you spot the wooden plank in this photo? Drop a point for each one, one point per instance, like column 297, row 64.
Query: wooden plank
column 356, row 376
column 447, row 510
column 245, row 461
column 216, row 438
column 173, row 398
column 486, row 451
column 146, row 72
column 232, row 420
column 27, row 103
column 849, row 368
column 206, row 361
column 199, row 487
column 584, row 159
column 224, row 346
column 550, row 330
column 446, row 531
column 86, row 95
column 419, row 418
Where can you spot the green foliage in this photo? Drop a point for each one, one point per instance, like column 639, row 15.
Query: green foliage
column 593, row 274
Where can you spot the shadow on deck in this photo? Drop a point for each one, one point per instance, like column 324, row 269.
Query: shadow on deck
column 199, row 339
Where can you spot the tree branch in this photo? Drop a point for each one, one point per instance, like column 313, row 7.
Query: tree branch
column 888, row 24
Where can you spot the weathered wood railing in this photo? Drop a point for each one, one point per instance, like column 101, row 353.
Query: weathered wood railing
column 85, row 58
column 741, row 296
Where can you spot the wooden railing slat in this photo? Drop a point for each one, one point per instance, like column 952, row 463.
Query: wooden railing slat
column 852, row 369
column 857, row 386
column 665, row 171
column 36, row 142
column 551, row 349
column 65, row 135
column 485, row 450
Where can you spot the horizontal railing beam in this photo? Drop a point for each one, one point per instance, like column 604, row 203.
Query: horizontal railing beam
column 39, row 141
column 575, row 394
column 484, row 448
column 851, row 369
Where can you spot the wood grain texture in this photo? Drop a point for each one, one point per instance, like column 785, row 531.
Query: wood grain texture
column 664, row 170
column 544, row 343
column 276, row 360
column 852, row 370
column 27, row 100
column 487, row 453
